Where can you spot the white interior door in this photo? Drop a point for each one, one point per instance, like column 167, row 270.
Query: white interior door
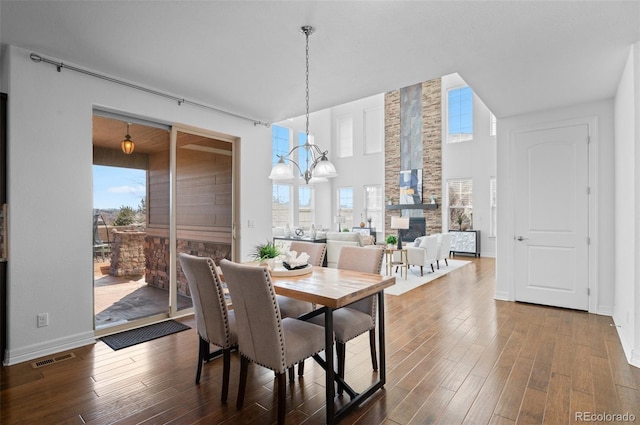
column 551, row 217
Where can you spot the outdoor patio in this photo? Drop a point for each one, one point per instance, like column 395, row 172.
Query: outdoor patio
column 118, row 300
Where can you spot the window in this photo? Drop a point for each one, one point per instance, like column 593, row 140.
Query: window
column 345, row 206
column 493, row 206
column 373, row 205
column 460, row 194
column 492, row 124
column 292, row 203
column 305, row 207
column 460, row 115
column 281, row 211
column 281, row 139
column 344, row 137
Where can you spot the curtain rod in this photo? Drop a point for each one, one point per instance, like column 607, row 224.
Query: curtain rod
column 59, row 65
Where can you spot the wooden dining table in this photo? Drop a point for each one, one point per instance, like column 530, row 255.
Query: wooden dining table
column 333, row 289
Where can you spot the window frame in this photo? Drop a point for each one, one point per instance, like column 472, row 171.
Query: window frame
column 374, row 209
column 347, row 213
column 458, row 138
column 312, row 210
column 289, row 209
column 295, row 186
column 467, row 209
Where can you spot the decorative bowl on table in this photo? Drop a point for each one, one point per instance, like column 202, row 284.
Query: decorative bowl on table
column 294, row 267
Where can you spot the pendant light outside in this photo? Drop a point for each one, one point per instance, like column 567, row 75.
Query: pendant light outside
column 127, row 144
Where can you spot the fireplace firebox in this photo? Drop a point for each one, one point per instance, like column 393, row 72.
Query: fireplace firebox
column 417, row 228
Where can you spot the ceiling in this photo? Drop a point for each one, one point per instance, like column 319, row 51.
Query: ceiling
column 248, row 57
column 109, row 132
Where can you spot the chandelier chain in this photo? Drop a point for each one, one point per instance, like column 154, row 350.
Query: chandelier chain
column 307, row 32
column 307, row 83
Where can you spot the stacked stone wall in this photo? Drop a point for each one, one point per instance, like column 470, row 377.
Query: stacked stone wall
column 431, row 152
column 127, row 254
column 156, row 251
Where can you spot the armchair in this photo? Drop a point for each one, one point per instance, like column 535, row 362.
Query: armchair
column 424, row 255
column 444, row 249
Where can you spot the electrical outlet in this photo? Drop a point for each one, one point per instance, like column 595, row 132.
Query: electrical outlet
column 43, row 320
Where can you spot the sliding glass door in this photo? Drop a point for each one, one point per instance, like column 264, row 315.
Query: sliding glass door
column 174, row 193
column 203, row 207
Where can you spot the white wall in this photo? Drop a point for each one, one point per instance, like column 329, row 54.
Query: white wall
column 599, row 115
column 50, row 267
column 361, row 169
column 627, row 207
column 475, row 160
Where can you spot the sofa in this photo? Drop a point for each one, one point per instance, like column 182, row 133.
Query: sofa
column 335, row 242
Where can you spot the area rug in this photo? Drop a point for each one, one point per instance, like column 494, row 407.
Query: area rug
column 414, row 279
column 147, row 333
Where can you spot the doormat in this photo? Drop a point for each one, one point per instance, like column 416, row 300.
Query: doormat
column 136, row 336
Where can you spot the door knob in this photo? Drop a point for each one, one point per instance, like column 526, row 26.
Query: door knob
column 520, row 238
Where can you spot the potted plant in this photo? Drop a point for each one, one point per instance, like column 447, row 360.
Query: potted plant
column 461, row 218
column 391, row 241
column 266, row 253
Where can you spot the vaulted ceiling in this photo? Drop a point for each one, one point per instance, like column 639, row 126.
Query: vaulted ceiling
column 247, row 57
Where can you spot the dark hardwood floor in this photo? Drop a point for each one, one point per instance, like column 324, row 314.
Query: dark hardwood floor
column 454, row 356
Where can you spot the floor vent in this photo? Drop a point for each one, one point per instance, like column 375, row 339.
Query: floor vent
column 52, row 360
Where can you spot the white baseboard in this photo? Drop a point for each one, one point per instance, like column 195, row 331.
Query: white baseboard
column 47, row 348
column 604, row 310
column 502, row 296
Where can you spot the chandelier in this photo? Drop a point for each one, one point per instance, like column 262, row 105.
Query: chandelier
column 317, row 167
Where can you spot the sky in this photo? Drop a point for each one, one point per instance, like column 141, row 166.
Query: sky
column 115, row 187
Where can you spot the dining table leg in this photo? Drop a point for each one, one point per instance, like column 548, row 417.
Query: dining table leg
column 330, row 372
column 382, row 369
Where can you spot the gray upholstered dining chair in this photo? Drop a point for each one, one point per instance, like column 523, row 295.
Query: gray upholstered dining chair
column 263, row 336
column 358, row 317
column 296, row 308
column 316, row 251
column 215, row 323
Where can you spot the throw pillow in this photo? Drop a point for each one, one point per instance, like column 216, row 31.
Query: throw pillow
column 418, row 241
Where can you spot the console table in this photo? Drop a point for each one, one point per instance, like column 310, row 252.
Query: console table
column 301, row 239
column 465, row 242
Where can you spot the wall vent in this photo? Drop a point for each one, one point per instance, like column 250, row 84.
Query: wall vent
column 52, row 360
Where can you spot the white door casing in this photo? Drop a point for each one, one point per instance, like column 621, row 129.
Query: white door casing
column 552, row 216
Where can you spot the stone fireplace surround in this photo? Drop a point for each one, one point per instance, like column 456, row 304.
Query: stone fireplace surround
column 431, row 136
